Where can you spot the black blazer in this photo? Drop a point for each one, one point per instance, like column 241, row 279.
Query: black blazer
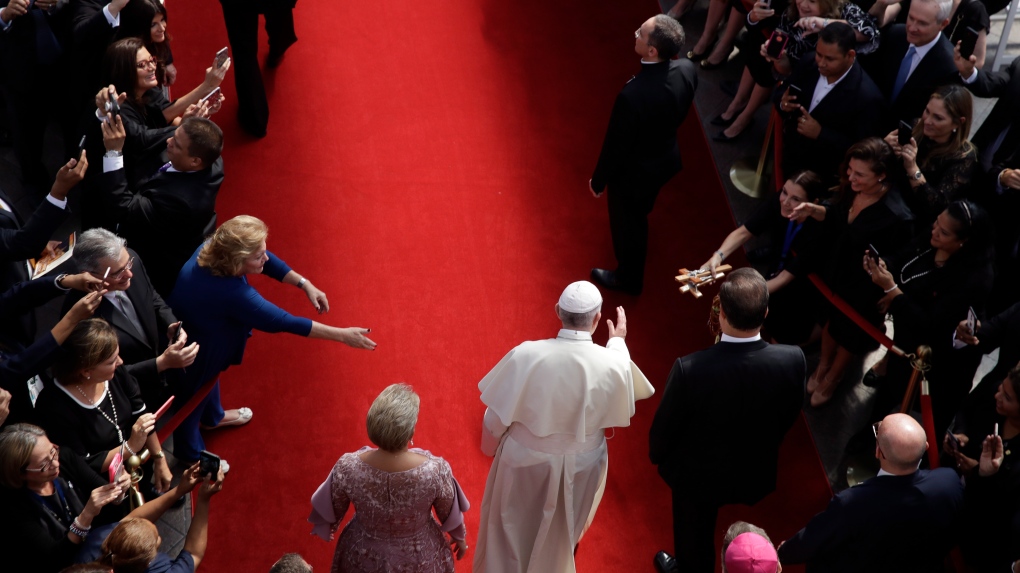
column 852, row 111
column 1004, row 85
column 898, row 524
column 934, row 70
column 166, row 218
column 736, row 401
column 139, row 351
column 640, row 147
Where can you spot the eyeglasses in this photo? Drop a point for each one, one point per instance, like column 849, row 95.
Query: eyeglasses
column 874, row 428
column 637, row 34
column 54, row 452
column 146, row 64
column 114, row 275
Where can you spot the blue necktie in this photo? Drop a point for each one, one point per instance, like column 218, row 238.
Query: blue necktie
column 901, row 76
column 164, row 167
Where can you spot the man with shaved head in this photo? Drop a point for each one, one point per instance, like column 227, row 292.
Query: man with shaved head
column 902, row 520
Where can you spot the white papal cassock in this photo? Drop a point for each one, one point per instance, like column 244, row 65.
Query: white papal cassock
column 548, row 404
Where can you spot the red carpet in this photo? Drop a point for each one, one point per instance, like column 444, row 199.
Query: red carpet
column 427, row 167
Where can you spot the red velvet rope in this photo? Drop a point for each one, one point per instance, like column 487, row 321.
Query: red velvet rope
column 188, row 408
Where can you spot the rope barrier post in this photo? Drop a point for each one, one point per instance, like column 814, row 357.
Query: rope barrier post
column 928, row 421
column 919, row 362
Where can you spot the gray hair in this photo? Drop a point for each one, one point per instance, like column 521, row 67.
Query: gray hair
column 667, row 37
column 392, row 417
column 737, row 529
column 290, row 563
column 577, row 320
column 97, row 244
column 945, row 8
column 16, row 444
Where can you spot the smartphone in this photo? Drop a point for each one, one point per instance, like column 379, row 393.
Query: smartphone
column 971, row 319
column 906, row 131
column 209, row 95
column 81, row 148
column 873, row 253
column 954, row 441
column 208, row 465
column 166, row 406
column 177, row 332
column 116, row 464
column 112, row 107
column 777, row 43
column 221, row 58
column 995, row 431
column 968, row 42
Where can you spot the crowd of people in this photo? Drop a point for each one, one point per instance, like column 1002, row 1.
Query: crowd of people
column 887, row 198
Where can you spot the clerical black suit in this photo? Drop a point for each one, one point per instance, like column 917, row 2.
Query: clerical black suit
column 716, row 435
column 166, row 218
column 850, row 112
column 640, row 154
column 17, row 244
column 894, row 524
column 935, row 69
column 139, row 349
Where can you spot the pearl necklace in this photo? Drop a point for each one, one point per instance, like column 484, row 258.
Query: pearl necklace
column 113, row 420
column 905, row 280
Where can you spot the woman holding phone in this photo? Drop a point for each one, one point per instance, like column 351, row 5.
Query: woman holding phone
column 928, row 288
column 95, row 409
column 939, row 161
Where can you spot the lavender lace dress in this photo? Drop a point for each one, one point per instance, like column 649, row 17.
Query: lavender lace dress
column 393, row 529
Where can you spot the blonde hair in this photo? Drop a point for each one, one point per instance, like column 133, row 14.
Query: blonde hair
column 233, row 242
column 392, row 417
column 92, row 342
column 131, row 546
column 16, row 444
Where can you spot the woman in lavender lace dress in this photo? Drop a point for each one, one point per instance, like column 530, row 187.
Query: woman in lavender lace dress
column 394, row 490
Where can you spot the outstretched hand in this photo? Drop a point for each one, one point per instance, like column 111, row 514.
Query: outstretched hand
column 355, row 338
column 991, row 456
column 316, row 296
column 620, row 328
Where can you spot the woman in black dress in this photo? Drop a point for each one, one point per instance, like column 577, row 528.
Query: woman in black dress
column 792, row 249
column 939, row 161
column 95, row 408
column 928, row 290
column 868, row 213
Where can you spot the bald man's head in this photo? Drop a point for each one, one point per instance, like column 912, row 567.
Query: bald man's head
column 901, row 444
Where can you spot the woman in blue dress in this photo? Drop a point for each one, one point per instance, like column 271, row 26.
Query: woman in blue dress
column 213, row 298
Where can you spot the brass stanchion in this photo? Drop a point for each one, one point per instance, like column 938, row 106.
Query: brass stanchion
column 746, row 174
column 920, row 362
column 134, row 466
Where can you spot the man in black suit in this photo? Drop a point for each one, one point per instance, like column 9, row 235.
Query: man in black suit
column 95, row 24
column 998, row 189
column 143, row 322
column 640, row 152
column 829, row 104
column 914, row 59
column 168, row 216
column 18, row 242
column 901, row 520
column 725, row 410
column 242, row 20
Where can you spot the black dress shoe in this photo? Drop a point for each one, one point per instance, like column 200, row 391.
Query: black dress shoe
column 664, row 563
column 276, row 54
column 611, row 280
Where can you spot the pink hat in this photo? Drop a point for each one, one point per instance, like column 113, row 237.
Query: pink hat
column 751, row 553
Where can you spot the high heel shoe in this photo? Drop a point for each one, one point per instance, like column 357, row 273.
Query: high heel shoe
column 721, row 121
column 695, row 56
column 707, row 65
column 721, row 137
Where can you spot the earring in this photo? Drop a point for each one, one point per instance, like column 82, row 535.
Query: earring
column 954, row 130
column 88, row 377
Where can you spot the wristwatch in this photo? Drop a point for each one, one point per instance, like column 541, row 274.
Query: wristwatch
column 918, row 175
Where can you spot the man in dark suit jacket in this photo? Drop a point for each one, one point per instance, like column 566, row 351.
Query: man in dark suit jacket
column 998, row 188
column 168, row 216
column 242, row 20
column 640, row 152
column 143, row 322
column 95, row 24
column 725, row 410
column 931, row 62
column 902, row 520
column 21, row 242
column 836, row 106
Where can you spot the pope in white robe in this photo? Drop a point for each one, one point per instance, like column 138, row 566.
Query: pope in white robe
column 549, row 402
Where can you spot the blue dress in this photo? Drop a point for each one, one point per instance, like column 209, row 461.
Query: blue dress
column 219, row 313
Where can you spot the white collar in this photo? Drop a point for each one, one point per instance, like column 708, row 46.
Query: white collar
column 727, row 338
column 86, row 405
column 571, row 334
column 924, row 49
